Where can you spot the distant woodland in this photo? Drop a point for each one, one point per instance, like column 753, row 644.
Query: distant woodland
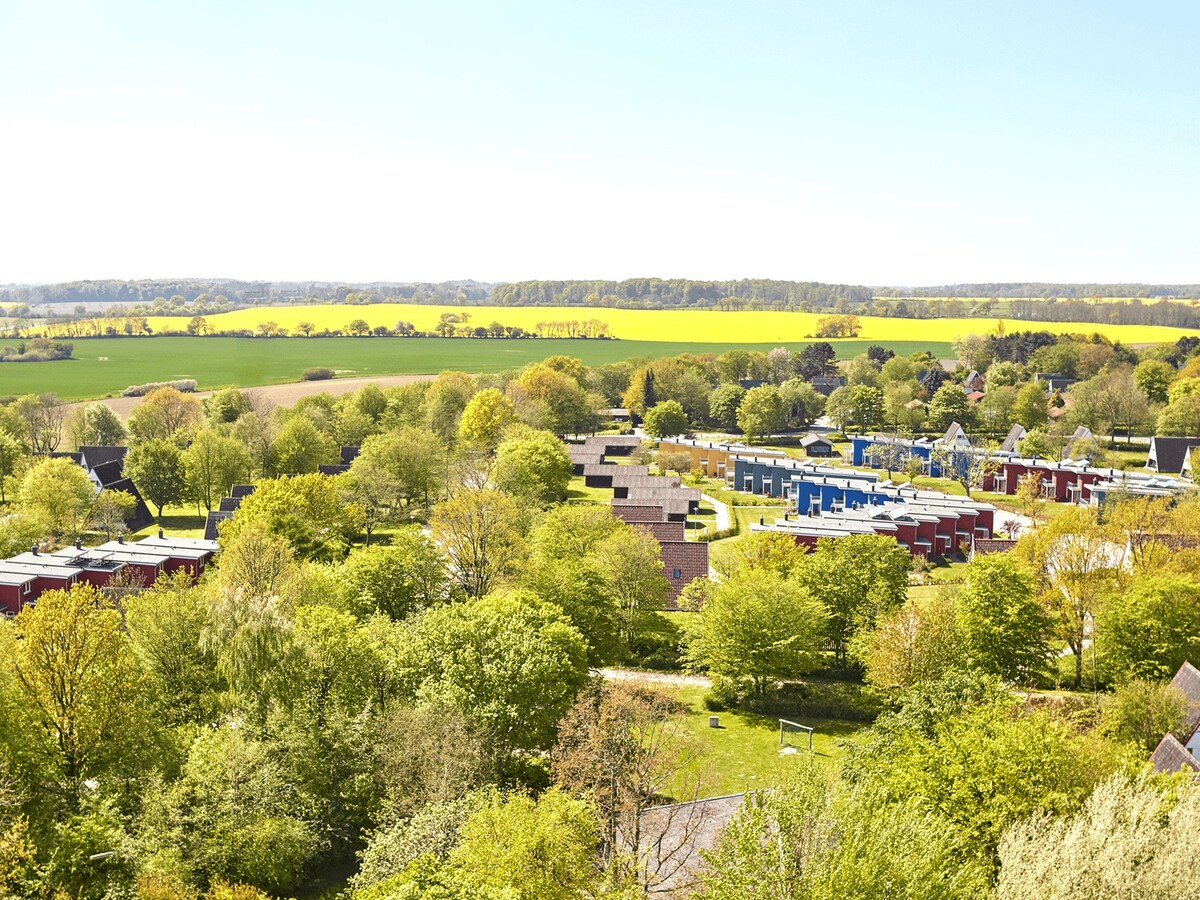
column 1132, row 304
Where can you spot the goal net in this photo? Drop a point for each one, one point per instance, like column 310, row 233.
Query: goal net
column 793, row 736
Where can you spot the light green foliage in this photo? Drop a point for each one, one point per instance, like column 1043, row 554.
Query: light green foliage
column 546, row 398
column 1004, row 629
column 165, row 414
column 918, row 642
column 480, row 533
column 433, row 830
column 1133, row 838
column 445, row 399
column 156, row 467
column 97, row 425
column 77, row 687
column 305, row 509
column 665, row 419
column 812, row 839
column 630, row 563
column 11, row 454
column 484, row 419
column 111, row 511
column 226, row 405
column 301, row 447
column 1180, row 417
column 756, row 626
column 57, row 494
column 511, row 663
column 165, row 624
column 212, row 464
column 1003, row 374
column 397, row 580
column 235, row 813
column 330, row 666
column 1029, row 408
column 534, row 467
column 1141, row 712
column 761, row 412
column 801, row 401
column 1154, row 376
column 410, row 464
column 768, row 551
column 538, row 849
column 974, row 351
column 949, row 405
column 991, row 766
column 1149, row 628
column 856, row 578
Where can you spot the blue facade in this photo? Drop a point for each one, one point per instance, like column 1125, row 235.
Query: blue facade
column 807, row 493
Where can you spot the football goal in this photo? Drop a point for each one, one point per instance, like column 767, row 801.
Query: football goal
column 793, row 734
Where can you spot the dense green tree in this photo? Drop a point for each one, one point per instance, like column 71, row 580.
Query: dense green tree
column 1029, row 408
column 1153, row 377
column 511, row 663
column 723, row 406
column 96, row 425
column 397, row 580
column 301, row 447
column 947, row 406
column 226, row 405
column 534, row 467
column 412, row 461
column 665, row 419
column 307, row 510
column 484, row 419
column 761, row 412
column 212, row 464
column 920, row 641
column 757, row 627
column 1004, row 629
column 1150, row 627
column 57, row 494
column 165, row 414
column 630, row 563
column 857, row 578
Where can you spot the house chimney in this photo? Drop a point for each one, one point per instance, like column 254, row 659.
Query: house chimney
column 33, row 550
column 762, row 520
column 121, row 538
column 160, row 534
column 78, row 543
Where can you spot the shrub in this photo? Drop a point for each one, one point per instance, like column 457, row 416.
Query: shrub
column 316, row 373
column 184, row 385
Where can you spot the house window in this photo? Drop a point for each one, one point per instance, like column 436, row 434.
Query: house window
column 678, row 574
column 28, row 588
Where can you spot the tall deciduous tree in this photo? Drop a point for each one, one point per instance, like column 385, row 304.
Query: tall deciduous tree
column 484, row 419
column 1004, row 629
column 212, row 464
column 58, row 494
column 761, row 412
column 480, row 532
column 758, row 627
column 156, row 467
column 665, row 419
column 165, row 414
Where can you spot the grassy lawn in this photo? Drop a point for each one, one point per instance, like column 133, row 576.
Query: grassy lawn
column 743, row 754
column 106, row 366
column 579, row 492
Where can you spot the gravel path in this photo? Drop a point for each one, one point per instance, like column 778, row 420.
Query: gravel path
column 724, row 519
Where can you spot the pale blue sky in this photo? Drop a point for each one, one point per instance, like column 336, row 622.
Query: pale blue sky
column 866, row 142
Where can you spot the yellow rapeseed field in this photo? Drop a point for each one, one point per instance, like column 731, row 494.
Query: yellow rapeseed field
column 691, row 325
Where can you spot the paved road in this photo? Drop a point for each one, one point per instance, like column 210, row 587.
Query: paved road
column 724, row 518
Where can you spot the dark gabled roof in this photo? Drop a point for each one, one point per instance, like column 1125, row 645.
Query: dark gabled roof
column 229, row 504
column 61, row 454
column 98, row 455
column 241, row 490
column 109, row 473
column 1171, row 756
column 349, row 454
column 1187, row 680
column 213, row 522
column 1014, row 437
column 333, row 470
column 141, row 516
column 1171, row 452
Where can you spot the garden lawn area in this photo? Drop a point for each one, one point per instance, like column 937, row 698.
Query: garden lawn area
column 106, row 366
column 699, row 325
column 579, row 492
column 743, row 754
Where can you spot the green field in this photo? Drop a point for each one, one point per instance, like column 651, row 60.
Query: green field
column 693, row 325
column 106, row 366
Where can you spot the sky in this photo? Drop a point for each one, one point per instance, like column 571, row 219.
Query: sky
column 880, row 143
